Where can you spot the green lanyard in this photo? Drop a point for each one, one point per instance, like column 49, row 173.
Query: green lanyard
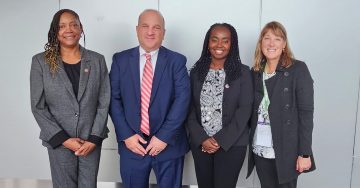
column 265, row 102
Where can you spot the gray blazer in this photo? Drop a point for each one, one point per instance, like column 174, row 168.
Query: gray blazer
column 55, row 106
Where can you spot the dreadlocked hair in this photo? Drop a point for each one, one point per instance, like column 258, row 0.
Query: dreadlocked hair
column 52, row 47
column 232, row 65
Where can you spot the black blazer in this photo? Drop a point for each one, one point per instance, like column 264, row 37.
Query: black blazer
column 237, row 107
column 291, row 117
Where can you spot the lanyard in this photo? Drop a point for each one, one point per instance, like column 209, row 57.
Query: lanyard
column 265, row 102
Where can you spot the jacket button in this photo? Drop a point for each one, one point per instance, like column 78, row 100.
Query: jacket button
column 286, row 107
column 286, row 89
column 288, row 122
column 286, row 73
column 76, row 115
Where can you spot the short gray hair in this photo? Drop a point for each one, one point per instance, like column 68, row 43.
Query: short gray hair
column 152, row 10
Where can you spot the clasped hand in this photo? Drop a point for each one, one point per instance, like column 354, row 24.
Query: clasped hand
column 155, row 146
column 210, row 145
column 79, row 146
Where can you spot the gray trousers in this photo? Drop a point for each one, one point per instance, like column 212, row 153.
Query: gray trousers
column 71, row 171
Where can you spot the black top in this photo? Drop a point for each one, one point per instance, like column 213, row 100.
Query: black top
column 73, row 73
column 270, row 84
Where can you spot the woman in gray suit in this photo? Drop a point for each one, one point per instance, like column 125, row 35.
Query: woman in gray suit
column 282, row 121
column 70, row 96
column 222, row 97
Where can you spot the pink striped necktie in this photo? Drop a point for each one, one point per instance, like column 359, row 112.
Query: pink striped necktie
column 146, row 85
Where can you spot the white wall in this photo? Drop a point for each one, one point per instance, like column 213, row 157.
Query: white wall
column 355, row 180
column 323, row 33
column 24, row 27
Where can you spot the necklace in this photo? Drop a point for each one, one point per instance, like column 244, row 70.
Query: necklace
column 268, row 75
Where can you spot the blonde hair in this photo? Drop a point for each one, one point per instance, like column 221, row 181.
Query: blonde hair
column 278, row 30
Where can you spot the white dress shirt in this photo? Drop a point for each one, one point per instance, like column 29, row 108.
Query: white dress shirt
column 142, row 59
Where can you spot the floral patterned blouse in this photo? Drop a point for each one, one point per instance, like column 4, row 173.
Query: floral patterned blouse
column 211, row 98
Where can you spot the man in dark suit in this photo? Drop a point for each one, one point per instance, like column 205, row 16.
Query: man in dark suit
column 150, row 94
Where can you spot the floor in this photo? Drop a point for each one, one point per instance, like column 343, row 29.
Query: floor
column 32, row 183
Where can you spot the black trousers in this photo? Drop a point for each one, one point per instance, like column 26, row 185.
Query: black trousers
column 218, row 170
column 266, row 170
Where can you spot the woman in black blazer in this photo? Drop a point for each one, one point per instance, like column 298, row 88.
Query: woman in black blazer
column 282, row 121
column 222, row 97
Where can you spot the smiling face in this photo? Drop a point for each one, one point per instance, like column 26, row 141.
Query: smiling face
column 219, row 43
column 150, row 30
column 69, row 30
column 272, row 46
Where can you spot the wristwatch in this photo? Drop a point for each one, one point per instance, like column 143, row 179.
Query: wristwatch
column 305, row 156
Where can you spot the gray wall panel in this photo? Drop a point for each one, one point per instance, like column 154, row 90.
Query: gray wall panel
column 187, row 22
column 325, row 35
column 355, row 180
column 109, row 24
column 23, row 33
column 357, row 127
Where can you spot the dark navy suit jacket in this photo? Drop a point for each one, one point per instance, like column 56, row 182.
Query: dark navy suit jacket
column 170, row 98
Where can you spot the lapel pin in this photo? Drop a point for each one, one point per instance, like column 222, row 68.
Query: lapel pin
column 86, row 70
column 227, row 86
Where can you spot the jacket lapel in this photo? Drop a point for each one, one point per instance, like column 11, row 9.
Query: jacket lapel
column 134, row 64
column 227, row 88
column 159, row 69
column 197, row 90
column 84, row 72
column 197, row 86
column 259, row 88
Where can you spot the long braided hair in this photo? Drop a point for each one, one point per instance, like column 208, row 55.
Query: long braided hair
column 52, row 47
column 232, row 65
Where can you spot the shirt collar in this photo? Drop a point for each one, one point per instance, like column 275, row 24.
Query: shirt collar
column 143, row 52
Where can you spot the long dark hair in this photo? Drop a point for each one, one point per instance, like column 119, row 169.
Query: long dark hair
column 52, row 47
column 232, row 65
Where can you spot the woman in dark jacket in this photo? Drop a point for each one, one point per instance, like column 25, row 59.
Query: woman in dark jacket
column 282, row 121
column 222, row 97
